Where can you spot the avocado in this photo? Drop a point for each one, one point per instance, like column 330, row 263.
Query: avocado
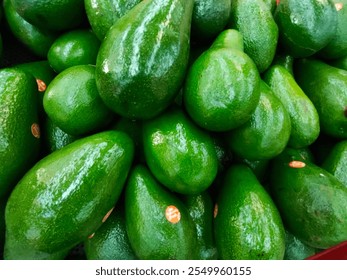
column 336, row 161
column 254, row 20
column 305, row 27
column 56, row 15
column 303, row 114
column 36, row 39
column 110, row 241
column 76, row 47
column 180, row 155
column 65, row 196
column 247, row 224
column 267, row 132
column 339, row 63
column 157, row 222
column 19, row 126
column 337, row 47
column 73, row 103
column 102, row 14
column 142, row 61
column 221, row 90
column 326, row 86
column 316, row 210
column 200, row 208
column 209, row 18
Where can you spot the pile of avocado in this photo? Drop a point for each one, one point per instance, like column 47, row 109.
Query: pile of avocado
column 173, row 129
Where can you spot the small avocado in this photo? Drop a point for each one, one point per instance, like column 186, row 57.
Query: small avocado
column 180, row 155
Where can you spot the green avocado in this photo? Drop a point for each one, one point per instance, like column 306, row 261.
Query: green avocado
column 337, row 47
column 65, row 196
column 303, row 114
column 142, row 61
column 305, row 27
column 254, row 20
column 57, row 15
column 73, row 103
column 221, row 90
column 316, row 211
column 102, row 14
column 209, row 18
column 326, row 86
column 267, row 132
column 19, row 127
column 180, row 155
column 157, row 222
column 336, row 161
column 76, row 47
column 247, row 224
column 36, row 39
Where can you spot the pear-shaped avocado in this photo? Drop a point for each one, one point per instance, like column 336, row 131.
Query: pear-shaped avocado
column 158, row 224
column 142, row 61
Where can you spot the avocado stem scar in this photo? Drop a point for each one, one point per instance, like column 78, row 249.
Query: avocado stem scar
column 296, row 164
column 172, row 214
column 215, row 210
column 107, row 215
column 91, row 236
column 35, row 130
column 339, row 6
column 41, row 85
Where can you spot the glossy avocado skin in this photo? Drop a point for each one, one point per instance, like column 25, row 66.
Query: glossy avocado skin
column 337, row 47
column 142, row 61
column 200, row 208
column 110, row 241
column 179, row 154
column 209, row 18
column 336, row 162
column 57, row 15
column 260, row 34
column 76, row 47
column 221, row 90
column 247, row 223
column 303, row 114
column 305, row 27
column 153, row 234
column 19, row 128
column 36, row 39
column 326, row 86
column 267, row 133
column 316, row 212
column 73, row 103
column 102, row 14
column 66, row 195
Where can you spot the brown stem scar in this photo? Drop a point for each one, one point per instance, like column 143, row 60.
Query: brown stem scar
column 172, row 214
column 339, row 6
column 296, row 164
column 41, row 85
column 35, row 130
column 107, row 215
column 215, row 210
